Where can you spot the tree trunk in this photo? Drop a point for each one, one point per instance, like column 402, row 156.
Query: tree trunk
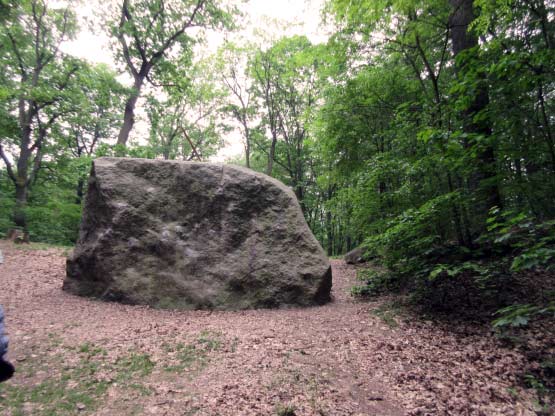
column 21, row 181
column 271, row 155
column 19, row 217
column 129, row 113
column 299, row 193
column 456, row 214
column 349, row 242
column 247, row 148
column 329, row 225
column 329, row 231
column 243, row 119
column 483, row 182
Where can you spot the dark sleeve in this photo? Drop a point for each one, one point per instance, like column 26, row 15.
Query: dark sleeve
column 3, row 337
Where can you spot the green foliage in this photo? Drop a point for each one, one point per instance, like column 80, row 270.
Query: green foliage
column 417, row 259
column 96, row 101
column 411, row 237
column 156, row 28
column 482, row 273
column 53, row 213
column 7, row 204
column 186, row 126
column 55, row 222
column 530, row 244
column 55, row 109
column 285, row 87
column 520, row 315
column 155, row 40
column 418, row 137
column 374, row 283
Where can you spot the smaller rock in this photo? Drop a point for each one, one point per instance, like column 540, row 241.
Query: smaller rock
column 355, row 256
column 375, row 398
column 81, row 407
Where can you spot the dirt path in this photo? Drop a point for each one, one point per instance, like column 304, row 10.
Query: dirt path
column 80, row 356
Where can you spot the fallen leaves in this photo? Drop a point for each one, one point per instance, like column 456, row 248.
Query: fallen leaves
column 338, row 359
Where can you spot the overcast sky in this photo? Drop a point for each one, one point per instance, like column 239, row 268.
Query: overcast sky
column 296, row 17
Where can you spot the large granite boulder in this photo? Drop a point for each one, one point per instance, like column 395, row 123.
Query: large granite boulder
column 194, row 236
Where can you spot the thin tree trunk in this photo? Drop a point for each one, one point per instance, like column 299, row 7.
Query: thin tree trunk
column 21, row 193
column 456, row 213
column 546, row 126
column 248, row 150
column 299, row 193
column 247, row 140
column 329, row 225
column 129, row 112
column 22, row 176
column 271, row 156
column 329, row 230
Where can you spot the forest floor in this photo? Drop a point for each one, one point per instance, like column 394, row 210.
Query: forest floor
column 350, row 357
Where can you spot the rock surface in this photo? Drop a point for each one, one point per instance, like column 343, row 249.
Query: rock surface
column 355, row 256
column 194, row 236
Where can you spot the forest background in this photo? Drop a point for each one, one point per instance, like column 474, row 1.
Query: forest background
column 421, row 130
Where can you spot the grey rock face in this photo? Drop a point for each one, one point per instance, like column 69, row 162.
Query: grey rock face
column 194, row 236
column 354, row 256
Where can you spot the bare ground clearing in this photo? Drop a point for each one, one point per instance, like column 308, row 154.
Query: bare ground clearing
column 78, row 356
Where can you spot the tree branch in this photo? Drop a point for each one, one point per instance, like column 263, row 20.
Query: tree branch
column 18, row 56
column 129, row 18
column 163, row 85
column 61, row 38
column 158, row 54
column 123, row 42
column 8, row 164
column 191, row 143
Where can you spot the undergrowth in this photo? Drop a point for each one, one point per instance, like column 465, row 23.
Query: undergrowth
column 506, row 277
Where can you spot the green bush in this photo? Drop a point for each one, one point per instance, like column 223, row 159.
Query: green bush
column 374, row 282
column 6, row 208
column 53, row 214
column 411, row 238
column 447, row 276
column 54, row 223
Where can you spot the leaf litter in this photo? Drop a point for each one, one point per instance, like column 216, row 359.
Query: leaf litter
column 81, row 356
